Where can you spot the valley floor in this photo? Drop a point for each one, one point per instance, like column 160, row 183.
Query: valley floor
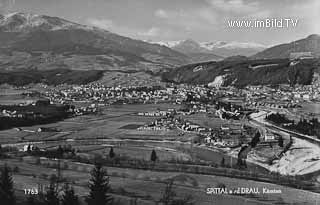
column 115, row 127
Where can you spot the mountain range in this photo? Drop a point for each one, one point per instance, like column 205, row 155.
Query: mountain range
column 213, row 50
column 271, row 66
column 44, row 42
column 242, row 72
column 41, row 43
column 309, row 44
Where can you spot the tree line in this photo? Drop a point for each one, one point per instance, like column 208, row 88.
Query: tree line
column 308, row 127
column 99, row 191
column 55, row 195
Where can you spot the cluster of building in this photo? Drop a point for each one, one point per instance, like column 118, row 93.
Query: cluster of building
column 284, row 96
column 171, row 121
column 16, row 114
column 162, row 124
column 156, row 113
column 85, row 110
column 103, row 95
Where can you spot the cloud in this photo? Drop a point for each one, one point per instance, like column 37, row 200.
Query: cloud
column 106, row 24
column 207, row 19
column 152, row 32
column 6, row 5
column 140, row 33
column 110, row 25
column 234, row 6
column 208, row 16
column 315, row 17
column 187, row 19
column 160, row 13
column 241, row 8
column 308, row 14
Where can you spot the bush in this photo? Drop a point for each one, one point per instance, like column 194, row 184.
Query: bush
column 221, row 186
column 16, row 169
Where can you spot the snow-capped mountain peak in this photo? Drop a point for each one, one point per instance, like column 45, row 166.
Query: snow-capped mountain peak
column 221, row 48
column 231, row 45
column 168, row 44
column 19, row 21
column 211, row 45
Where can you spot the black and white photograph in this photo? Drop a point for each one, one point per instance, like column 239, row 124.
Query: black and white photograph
column 159, row 102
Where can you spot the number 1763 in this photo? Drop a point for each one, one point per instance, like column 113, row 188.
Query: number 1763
column 31, row 191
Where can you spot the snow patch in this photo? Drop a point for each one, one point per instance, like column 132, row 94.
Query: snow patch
column 213, row 45
column 168, row 44
column 263, row 66
column 20, row 21
column 197, row 68
column 218, row 81
column 231, row 45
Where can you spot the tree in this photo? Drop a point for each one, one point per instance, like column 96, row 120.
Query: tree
column 153, row 156
column 59, row 152
column 134, row 201
column 111, row 153
column 29, row 148
column 51, row 195
column 222, row 163
column 168, row 194
column 6, row 187
column 69, row 197
column 255, row 140
column 16, row 169
column 99, row 187
column 187, row 200
column 280, row 141
column 31, row 200
column 34, row 200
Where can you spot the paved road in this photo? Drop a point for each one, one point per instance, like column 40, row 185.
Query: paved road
column 264, row 125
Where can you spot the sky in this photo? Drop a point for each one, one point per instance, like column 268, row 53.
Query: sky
column 169, row 20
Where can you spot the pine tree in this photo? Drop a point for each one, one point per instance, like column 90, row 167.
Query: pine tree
column 255, row 140
column 29, row 148
column 7, row 196
column 153, row 156
column 60, row 152
column 111, row 153
column 99, row 187
column 280, row 141
column 51, row 196
column 69, row 197
column 222, row 162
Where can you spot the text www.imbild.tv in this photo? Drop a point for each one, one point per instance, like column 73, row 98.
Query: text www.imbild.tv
column 264, row 23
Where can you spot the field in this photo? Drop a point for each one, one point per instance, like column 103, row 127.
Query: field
column 95, row 134
column 205, row 121
column 111, row 127
column 148, row 186
column 115, row 126
column 10, row 96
